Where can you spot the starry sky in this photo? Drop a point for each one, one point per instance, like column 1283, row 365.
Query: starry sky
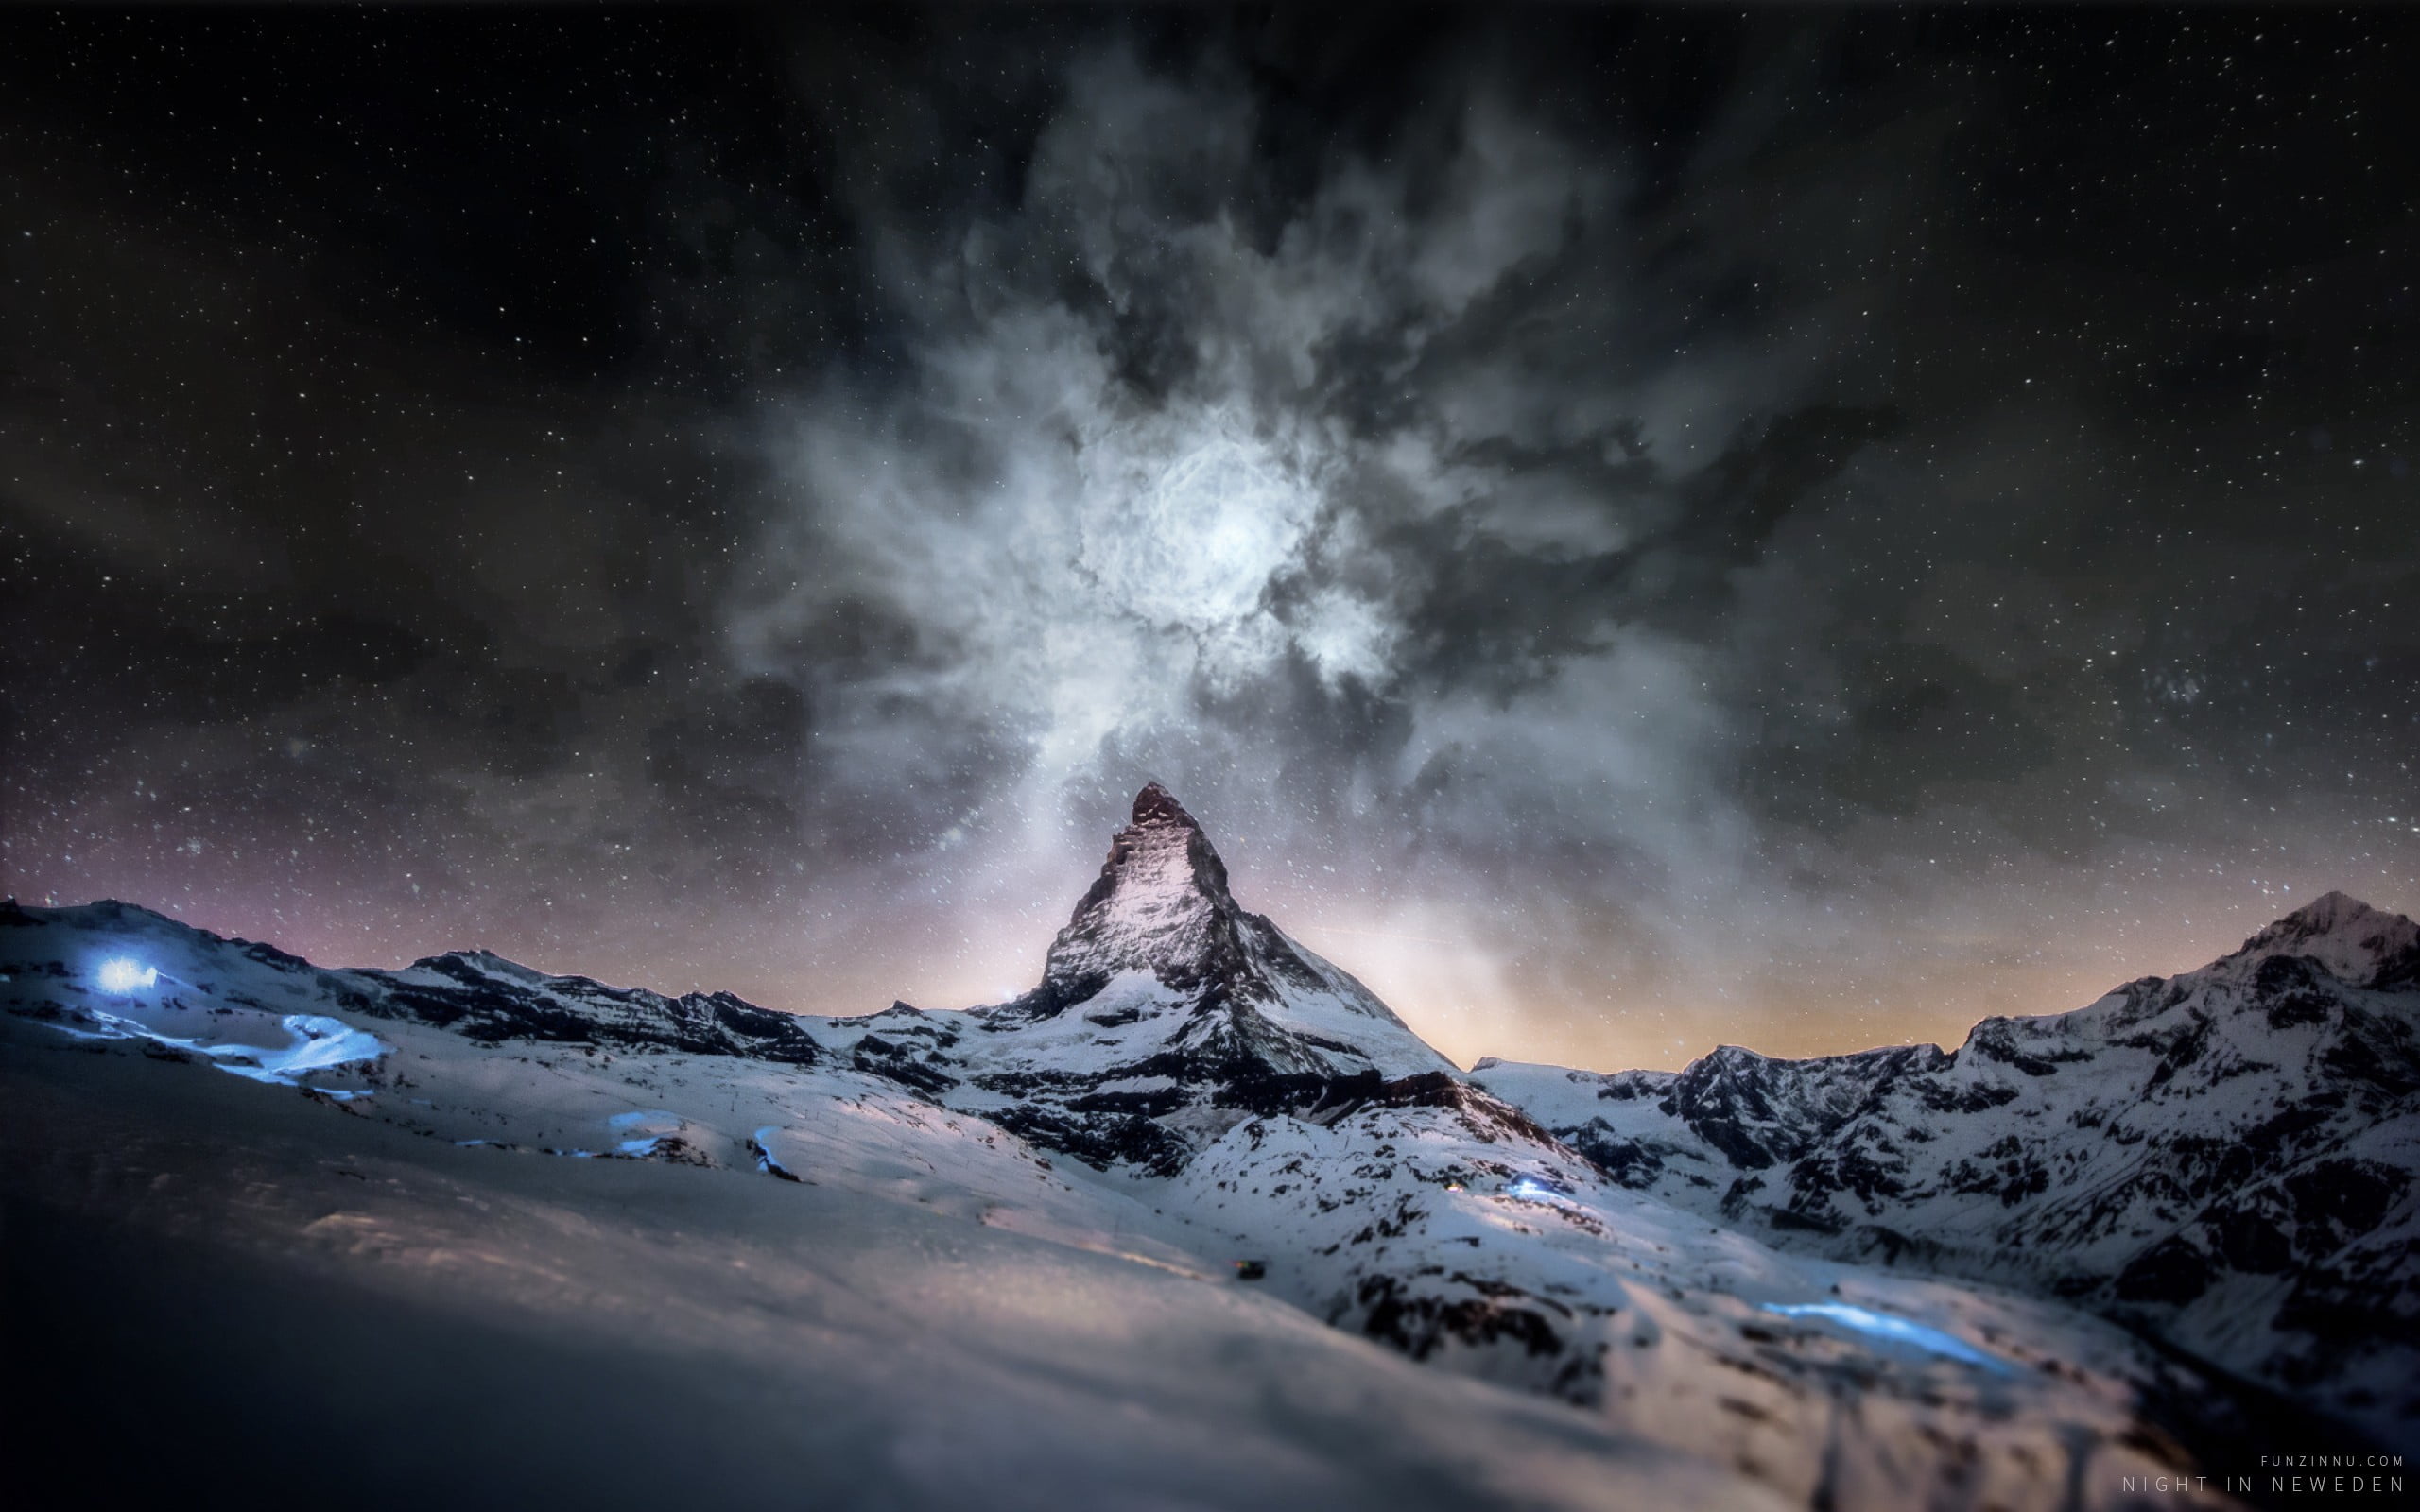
column 1633, row 529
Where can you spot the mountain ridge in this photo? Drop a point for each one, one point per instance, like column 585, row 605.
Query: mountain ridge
column 1504, row 1221
column 2228, row 1159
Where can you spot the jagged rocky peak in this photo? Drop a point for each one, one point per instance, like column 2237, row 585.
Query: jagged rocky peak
column 1155, row 804
column 1162, row 960
column 1160, row 905
column 2360, row 944
column 480, row 963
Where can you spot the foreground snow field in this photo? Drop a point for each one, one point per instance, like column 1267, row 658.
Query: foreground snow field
column 241, row 1297
column 466, row 1231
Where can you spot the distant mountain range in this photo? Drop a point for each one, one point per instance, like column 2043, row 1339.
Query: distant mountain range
column 2224, row 1158
column 2080, row 1248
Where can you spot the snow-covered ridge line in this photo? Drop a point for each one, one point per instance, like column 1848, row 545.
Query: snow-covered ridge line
column 2228, row 1159
column 1415, row 1210
column 1201, row 1068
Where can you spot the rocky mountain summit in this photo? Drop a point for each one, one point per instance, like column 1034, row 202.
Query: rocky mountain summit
column 2009, row 1275
column 1159, row 937
column 1166, row 1015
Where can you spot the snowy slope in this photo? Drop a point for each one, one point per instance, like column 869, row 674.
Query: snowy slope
column 2230, row 1157
column 1451, row 1228
column 1188, row 1088
column 220, row 1293
column 1412, row 1213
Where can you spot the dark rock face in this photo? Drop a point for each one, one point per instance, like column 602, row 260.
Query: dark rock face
column 1417, row 1322
column 1155, row 804
column 1099, row 1136
column 486, row 998
column 1760, row 1112
column 2171, row 1271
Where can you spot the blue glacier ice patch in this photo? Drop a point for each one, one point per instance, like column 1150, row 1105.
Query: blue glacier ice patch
column 1538, row 1189
column 645, row 1147
column 1897, row 1329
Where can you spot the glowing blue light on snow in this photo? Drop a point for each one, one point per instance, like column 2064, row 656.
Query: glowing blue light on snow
column 319, row 1044
column 1898, row 1329
column 763, row 1143
column 121, row 976
column 314, row 1042
column 1535, row 1189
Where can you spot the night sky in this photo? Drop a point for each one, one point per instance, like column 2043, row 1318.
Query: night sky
column 1632, row 529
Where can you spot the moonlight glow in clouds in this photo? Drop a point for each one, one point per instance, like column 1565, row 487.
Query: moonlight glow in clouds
column 1399, row 528
column 1175, row 533
column 1195, row 549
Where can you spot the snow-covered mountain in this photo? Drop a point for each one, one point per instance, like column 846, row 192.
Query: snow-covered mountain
column 1166, row 1015
column 2229, row 1159
column 1869, row 1281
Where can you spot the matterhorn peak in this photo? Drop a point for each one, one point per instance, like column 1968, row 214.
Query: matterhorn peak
column 1158, row 941
column 1160, row 905
column 2359, row 943
column 1157, row 805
